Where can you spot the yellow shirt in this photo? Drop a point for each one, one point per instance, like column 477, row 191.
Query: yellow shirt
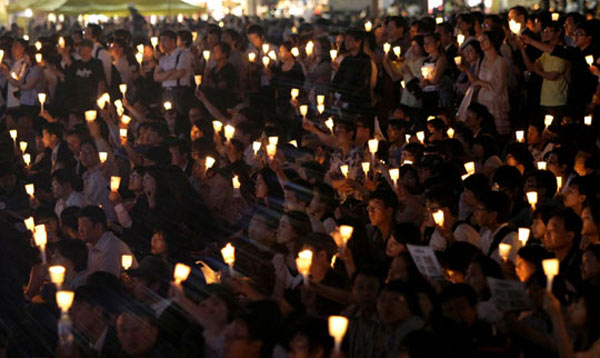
column 554, row 93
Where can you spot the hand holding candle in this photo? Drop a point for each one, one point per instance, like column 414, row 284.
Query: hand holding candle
column 57, row 275
column 504, row 250
column 524, row 235
column 126, row 262
column 438, row 218
column 337, row 329
column 181, row 273
column 551, row 269
column 64, row 300
column 228, row 253
column 303, row 264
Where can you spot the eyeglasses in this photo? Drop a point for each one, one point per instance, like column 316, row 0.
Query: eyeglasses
column 579, row 33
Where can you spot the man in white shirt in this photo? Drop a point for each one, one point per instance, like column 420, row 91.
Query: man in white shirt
column 104, row 248
column 18, row 67
column 173, row 71
column 95, row 184
column 94, row 32
column 491, row 214
column 63, row 184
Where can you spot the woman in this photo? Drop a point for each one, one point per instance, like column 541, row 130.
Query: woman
column 538, row 141
column 31, row 83
column 529, row 262
column 489, row 87
column 317, row 69
column 471, row 60
column 409, row 72
column 435, row 82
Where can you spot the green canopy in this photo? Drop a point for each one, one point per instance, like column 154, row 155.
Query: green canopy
column 47, row 5
column 20, row 5
column 120, row 7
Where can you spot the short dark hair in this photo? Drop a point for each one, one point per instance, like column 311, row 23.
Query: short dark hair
column 399, row 21
column 170, row 34
column 65, row 176
column 86, row 43
column 54, row 128
column 388, row 198
column 301, row 189
column 459, row 290
column 95, row 214
column 256, row 29
column 316, row 333
column 182, row 146
column 520, row 10
column 571, row 221
column 300, row 222
column 96, row 31
column 75, row 251
column 321, row 242
column 444, row 197
column 224, row 46
column 185, row 36
column 409, row 293
column 497, row 202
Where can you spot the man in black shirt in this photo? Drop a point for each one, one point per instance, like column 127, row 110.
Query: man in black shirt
column 86, row 78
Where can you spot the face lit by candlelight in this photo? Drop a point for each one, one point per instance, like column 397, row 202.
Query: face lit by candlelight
column 589, row 230
column 259, row 231
column 365, row 288
column 524, row 269
column 158, row 244
column 476, row 278
column 556, row 237
column 238, row 341
column 378, row 212
column 137, row 335
column 590, row 266
column 393, row 248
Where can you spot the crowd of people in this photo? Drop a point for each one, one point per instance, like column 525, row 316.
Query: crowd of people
column 223, row 189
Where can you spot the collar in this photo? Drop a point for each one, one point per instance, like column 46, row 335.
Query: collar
column 160, row 306
column 498, row 229
column 100, row 342
column 103, row 242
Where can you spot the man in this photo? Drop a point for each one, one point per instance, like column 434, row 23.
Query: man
column 85, row 78
column 562, row 239
column 173, row 72
column 138, row 333
column 180, row 155
column 93, row 32
column 381, row 209
column 452, row 229
column 56, row 148
column 13, row 198
column 74, row 138
column 151, row 281
column 220, row 80
column 63, row 184
column 491, row 214
column 321, row 207
column 105, row 249
column 91, row 314
column 95, row 185
column 580, row 189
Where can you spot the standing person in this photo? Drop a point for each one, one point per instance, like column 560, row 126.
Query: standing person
column 85, row 78
column 490, row 86
column 437, row 90
column 30, row 83
column 171, row 72
column 93, row 32
column 18, row 67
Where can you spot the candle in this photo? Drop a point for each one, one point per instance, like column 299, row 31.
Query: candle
column 303, row 264
column 125, row 119
column 274, row 140
column 168, row 105
column 397, row 50
column 61, row 42
column 14, row 76
column 194, row 36
column 407, row 138
column 333, row 54
column 365, row 167
column 271, row 151
column 251, row 56
column 368, row 26
column 558, row 183
column 407, row 162
column 123, row 88
column 329, row 124
column 30, row 189
column 1, row 55
column 439, row 20
column 520, row 136
column 555, row 16
column 587, row 120
column 532, row 198
column 57, row 275
column 541, row 165
column 294, row 143
column 450, row 132
column 304, row 110
column 29, row 223
column 524, row 235
column 90, row 115
column 256, row 147
column 344, row 169
column 228, row 253
column 504, row 250
column 27, row 158
column 395, row 175
column 198, row 80
column 206, row 55
column 235, row 181
column 438, row 218
column 460, row 38
column 421, row 136
column 123, row 132
column 514, row 26
column 458, row 60
column 589, row 59
column 295, row 52
column 139, row 57
column 337, row 329
column 154, row 41
column 320, row 99
column 209, row 162
column 118, row 103
column 373, row 146
column 266, row 60
column 217, row 126
column 40, row 237
column 387, row 47
column 294, row 92
column 551, row 269
column 548, row 120
column 103, row 100
column 320, row 108
column 229, row 132
column 309, row 48
column 115, row 182
column 64, row 299
column 23, row 146
column 140, row 48
column 470, row 167
column 103, row 157
column 126, row 261
column 181, row 273
column 272, row 55
column 265, row 48
column 13, row 134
